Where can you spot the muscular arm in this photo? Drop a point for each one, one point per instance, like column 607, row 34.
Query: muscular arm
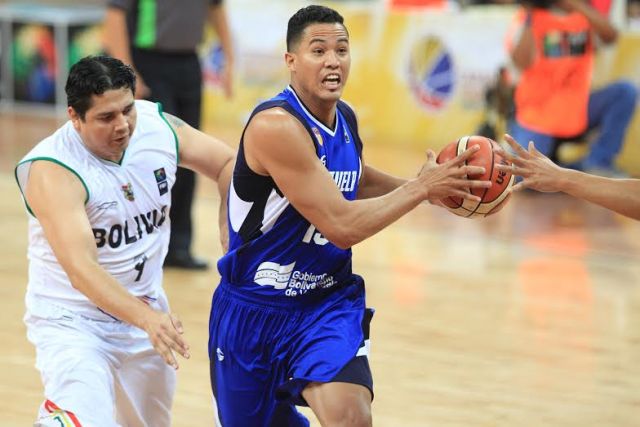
column 209, row 156
column 376, row 183
column 276, row 144
column 56, row 197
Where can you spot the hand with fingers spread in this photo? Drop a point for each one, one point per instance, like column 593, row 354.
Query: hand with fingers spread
column 540, row 173
column 165, row 332
column 537, row 170
column 451, row 177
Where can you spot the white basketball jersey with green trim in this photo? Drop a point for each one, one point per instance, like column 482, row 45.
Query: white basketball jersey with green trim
column 128, row 209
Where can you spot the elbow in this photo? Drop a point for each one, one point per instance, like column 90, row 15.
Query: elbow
column 343, row 244
column 79, row 273
column 610, row 38
column 342, row 237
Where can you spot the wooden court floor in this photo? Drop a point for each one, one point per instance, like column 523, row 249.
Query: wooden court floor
column 527, row 318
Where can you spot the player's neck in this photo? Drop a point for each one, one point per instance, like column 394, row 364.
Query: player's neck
column 321, row 109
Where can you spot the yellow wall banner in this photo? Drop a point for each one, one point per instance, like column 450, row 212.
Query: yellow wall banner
column 418, row 78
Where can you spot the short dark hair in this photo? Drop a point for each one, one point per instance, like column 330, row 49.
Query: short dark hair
column 306, row 16
column 94, row 75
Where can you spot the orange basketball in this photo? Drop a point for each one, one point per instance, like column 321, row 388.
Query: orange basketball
column 492, row 199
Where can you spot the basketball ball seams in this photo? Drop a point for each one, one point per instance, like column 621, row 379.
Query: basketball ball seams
column 491, row 199
column 484, row 192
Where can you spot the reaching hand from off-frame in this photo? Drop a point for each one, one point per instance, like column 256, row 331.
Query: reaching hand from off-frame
column 537, row 170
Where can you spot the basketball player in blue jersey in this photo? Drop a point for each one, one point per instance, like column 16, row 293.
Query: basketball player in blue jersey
column 288, row 324
column 539, row 173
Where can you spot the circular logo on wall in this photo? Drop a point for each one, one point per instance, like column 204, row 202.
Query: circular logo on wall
column 431, row 73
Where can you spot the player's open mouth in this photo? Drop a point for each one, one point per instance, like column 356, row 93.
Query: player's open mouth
column 332, row 81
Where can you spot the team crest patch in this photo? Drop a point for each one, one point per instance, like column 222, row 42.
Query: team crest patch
column 318, row 135
column 128, row 192
column 161, row 180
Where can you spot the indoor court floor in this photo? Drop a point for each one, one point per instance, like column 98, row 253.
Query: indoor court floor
column 527, row 318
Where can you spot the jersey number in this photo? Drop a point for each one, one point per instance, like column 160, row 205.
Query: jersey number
column 318, row 238
column 140, row 267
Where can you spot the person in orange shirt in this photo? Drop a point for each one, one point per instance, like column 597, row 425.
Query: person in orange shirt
column 555, row 52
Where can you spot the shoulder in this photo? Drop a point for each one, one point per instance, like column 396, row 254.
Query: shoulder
column 348, row 111
column 148, row 107
column 275, row 122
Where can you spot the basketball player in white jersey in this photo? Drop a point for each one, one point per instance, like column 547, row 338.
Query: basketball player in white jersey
column 98, row 193
column 541, row 174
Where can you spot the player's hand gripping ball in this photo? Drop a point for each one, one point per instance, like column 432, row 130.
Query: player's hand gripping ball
column 492, row 199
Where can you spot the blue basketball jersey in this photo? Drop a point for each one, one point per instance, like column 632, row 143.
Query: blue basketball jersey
column 274, row 252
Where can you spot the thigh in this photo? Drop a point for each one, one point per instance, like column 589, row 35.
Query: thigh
column 327, row 341
column 243, row 368
column 347, row 398
column 544, row 143
column 610, row 101
column 76, row 373
column 339, row 403
column 144, row 387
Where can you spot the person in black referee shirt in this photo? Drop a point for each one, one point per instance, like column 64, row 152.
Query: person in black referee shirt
column 159, row 39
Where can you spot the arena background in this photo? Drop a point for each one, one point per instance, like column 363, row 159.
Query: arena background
column 526, row 318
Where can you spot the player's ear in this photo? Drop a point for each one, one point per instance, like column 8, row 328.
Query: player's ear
column 74, row 116
column 290, row 59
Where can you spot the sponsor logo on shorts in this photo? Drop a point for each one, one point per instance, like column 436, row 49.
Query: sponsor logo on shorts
column 219, row 354
column 294, row 283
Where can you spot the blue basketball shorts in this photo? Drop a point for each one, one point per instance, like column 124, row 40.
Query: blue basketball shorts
column 262, row 354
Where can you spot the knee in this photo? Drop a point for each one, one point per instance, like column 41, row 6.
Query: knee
column 626, row 93
column 353, row 415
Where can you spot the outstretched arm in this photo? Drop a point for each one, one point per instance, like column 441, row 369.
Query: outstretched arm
column 209, row 156
column 540, row 173
column 277, row 145
column 56, row 197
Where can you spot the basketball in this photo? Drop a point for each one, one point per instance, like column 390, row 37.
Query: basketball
column 492, row 199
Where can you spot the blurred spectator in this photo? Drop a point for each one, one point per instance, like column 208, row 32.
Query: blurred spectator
column 633, row 15
column 160, row 43
column 499, row 108
column 553, row 44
